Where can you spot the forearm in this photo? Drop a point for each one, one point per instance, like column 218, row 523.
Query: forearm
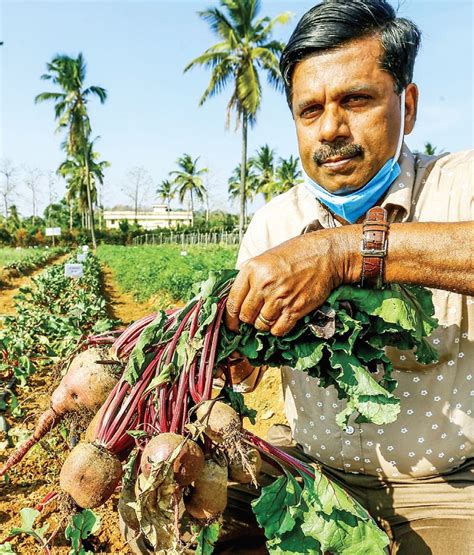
column 437, row 255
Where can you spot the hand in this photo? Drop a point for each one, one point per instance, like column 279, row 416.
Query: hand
column 277, row 288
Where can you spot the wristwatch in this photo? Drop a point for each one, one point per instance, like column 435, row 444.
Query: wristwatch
column 374, row 246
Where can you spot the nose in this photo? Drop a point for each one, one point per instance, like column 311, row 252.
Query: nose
column 333, row 124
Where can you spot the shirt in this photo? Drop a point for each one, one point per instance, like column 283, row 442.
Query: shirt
column 434, row 430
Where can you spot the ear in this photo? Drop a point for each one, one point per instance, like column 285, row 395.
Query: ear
column 411, row 107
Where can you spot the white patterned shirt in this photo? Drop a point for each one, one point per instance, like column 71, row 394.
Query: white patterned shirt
column 434, row 431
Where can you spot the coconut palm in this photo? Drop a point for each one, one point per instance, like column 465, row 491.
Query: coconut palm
column 263, row 164
column 188, row 181
column 287, row 175
column 244, row 49
column 71, row 111
column 251, row 185
column 82, row 175
column 166, row 193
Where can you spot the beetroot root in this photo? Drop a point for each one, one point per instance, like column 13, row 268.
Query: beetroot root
column 90, row 475
column 221, row 420
column 247, row 470
column 208, row 497
column 84, row 387
column 186, row 466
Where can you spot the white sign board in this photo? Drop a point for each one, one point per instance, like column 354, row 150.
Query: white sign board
column 53, row 231
column 82, row 257
column 85, row 248
column 73, row 270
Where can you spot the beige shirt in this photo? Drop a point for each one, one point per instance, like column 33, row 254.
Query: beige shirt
column 434, row 431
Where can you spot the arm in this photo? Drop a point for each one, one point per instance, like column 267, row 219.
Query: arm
column 287, row 282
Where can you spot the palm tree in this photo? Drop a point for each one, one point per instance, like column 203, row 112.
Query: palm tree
column 188, row 181
column 166, row 193
column 264, row 165
column 71, row 111
column 287, row 175
column 251, row 185
column 82, row 174
column 245, row 47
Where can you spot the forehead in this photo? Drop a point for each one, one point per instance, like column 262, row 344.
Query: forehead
column 349, row 65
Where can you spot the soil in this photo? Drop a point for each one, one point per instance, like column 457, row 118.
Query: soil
column 37, row 475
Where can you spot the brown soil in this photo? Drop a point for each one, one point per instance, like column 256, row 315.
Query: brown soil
column 37, row 475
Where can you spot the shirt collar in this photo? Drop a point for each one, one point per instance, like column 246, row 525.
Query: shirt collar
column 398, row 199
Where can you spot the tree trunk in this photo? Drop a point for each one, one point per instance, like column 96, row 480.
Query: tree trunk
column 243, row 172
column 70, row 215
column 89, row 198
column 192, row 207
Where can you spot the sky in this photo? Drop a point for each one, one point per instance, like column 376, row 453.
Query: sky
column 137, row 51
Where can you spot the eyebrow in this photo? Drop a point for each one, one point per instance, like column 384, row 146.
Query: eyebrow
column 357, row 89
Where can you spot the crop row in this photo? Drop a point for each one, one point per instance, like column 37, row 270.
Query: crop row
column 166, row 273
column 53, row 314
column 31, row 260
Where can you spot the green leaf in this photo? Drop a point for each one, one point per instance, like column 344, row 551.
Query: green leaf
column 272, row 508
column 80, row 527
column 236, row 401
column 207, row 538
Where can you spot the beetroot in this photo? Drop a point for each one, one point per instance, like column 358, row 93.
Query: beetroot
column 188, row 462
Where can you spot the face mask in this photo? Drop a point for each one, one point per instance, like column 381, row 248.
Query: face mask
column 351, row 206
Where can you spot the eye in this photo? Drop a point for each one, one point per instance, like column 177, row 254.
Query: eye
column 311, row 111
column 356, row 99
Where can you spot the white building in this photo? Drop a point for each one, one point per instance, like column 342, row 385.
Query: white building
column 157, row 217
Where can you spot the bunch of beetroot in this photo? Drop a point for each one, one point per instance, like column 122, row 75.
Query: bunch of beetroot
column 161, row 431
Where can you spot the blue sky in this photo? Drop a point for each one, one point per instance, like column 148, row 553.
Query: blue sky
column 137, row 51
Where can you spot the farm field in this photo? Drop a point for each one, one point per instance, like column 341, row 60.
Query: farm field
column 37, row 474
column 164, row 273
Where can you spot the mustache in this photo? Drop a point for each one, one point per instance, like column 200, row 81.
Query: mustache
column 337, row 149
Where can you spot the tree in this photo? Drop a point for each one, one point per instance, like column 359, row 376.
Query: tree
column 263, row 164
column 8, row 184
column 32, row 177
column 71, row 111
column 82, row 173
column 137, row 186
column 188, row 181
column 245, row 47
column 166, row 193
column 287, row 175
column 431, row 150
column 251, row 185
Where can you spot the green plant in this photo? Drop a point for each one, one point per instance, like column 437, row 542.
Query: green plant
column 28, row 518
column 81, row 526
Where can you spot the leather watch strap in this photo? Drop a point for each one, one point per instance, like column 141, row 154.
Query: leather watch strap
column 374, row 245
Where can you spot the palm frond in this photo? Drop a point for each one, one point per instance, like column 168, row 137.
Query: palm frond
column 98, row 91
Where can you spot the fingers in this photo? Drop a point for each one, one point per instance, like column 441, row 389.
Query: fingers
column 284, row 324
column 235, row 299
column 267, row 317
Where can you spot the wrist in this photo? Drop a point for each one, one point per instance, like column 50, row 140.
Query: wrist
column 350, row 259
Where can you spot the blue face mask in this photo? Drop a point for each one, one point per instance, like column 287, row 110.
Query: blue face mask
column 351, row 206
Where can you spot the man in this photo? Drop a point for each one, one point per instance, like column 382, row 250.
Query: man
column 348, row 71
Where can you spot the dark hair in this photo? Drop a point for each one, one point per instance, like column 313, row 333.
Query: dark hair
column 334, row 22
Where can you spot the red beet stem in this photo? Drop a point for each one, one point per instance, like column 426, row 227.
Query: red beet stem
column 279, row 454
column 212, row 354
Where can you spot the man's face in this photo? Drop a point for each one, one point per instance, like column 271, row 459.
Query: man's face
column 347, row 115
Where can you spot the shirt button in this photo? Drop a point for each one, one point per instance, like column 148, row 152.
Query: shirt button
column 349, row 430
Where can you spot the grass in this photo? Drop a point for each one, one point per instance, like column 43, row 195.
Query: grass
column 163, row 272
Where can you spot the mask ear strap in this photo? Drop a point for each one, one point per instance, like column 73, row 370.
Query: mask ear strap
column 402, row 128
